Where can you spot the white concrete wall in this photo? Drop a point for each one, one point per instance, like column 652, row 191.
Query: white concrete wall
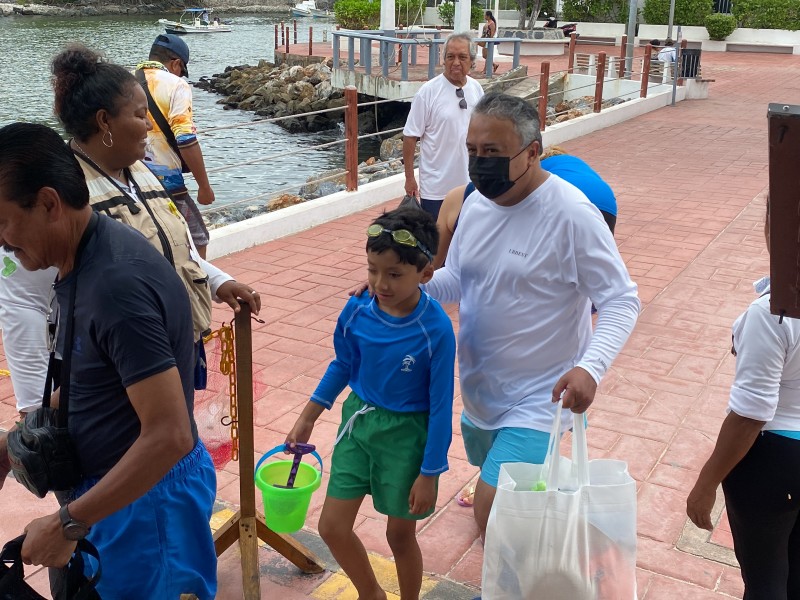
column 431, row 17
column 293, row 219
column 658, row 97
column 772, row 37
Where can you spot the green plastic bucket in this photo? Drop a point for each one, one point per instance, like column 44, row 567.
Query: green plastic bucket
column 285, row 509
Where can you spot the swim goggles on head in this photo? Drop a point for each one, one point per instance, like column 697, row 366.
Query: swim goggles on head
column 401, row 236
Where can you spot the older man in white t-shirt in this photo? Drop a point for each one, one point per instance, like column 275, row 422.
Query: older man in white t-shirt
column 439, row 117
column 530, row 255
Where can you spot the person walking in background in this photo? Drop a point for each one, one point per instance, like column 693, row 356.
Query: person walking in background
column 438, row 119
column 757, row 454
column 489, row 31
column 396, row 351
column 23, row 320
column 172, row 145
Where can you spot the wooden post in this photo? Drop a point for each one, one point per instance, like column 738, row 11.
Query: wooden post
column 623, row 50
column 287, row 42
column 571, row 64
column 247, row 526
column 646, row 70
column 598, row 86
column 544, row 80
column 276, row 36
column 351, row 135
column 783, row 126
column 311, row 41
column 295, row 31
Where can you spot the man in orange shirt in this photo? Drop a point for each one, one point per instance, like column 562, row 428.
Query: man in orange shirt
column 173, row 148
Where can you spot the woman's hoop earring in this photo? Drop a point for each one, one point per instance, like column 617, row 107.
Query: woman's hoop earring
column 110, row 143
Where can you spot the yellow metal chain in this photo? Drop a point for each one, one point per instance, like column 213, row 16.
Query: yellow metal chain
column 227, row 366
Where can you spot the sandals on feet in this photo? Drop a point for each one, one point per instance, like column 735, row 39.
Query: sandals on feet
column 466, row 497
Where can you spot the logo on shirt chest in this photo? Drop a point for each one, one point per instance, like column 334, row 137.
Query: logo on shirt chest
column 519, row 253
column 407, row 364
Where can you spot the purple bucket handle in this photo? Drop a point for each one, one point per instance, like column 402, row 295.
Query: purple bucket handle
column 299, row 450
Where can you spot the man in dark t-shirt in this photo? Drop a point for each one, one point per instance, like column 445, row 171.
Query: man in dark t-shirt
column 149, row 485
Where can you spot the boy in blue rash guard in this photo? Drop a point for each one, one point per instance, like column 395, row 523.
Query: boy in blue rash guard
column 396, row 351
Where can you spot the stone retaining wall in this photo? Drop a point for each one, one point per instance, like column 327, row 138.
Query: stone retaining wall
column 84, row 9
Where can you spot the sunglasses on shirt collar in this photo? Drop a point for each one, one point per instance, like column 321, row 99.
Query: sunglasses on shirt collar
column 463, row 102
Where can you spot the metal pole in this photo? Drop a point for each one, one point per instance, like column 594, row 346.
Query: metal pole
column 295, row 32
column 675, row 66
column 632, row 13
column 276, row 36
column 287, row 41
column 310, row 41
column 671, row 18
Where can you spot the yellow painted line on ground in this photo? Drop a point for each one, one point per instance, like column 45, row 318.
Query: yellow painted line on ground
column 339, row 587
column 218, row 519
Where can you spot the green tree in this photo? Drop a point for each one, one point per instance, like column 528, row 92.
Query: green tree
column 447, row 12
column 596, row 11
column 687, row 12
column 357, row 14
column 720, row 26
column 768, row 14
column 407, row 12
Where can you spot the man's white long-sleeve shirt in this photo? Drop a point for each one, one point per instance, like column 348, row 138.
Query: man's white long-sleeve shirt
column 525, row 277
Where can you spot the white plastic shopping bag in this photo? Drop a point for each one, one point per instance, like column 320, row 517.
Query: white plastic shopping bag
column 575, row 540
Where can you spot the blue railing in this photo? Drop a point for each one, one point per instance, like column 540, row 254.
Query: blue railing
column 409, row 43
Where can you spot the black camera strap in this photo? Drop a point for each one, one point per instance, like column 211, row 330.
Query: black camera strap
column 69, row 320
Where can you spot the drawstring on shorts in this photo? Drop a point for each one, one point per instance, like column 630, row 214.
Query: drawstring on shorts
column 348, row 427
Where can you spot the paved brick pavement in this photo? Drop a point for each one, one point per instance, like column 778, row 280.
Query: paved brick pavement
column 690, row 181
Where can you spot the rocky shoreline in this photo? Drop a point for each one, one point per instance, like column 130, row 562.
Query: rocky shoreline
column 288, row 91
column 89, row 9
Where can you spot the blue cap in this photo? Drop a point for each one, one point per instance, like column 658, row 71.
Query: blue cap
column 172, row 42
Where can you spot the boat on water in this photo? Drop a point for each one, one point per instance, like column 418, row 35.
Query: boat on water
column 195, row 20
column 308, row 8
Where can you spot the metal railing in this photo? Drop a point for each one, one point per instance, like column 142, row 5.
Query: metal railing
column 407, row 48
column 604, row 68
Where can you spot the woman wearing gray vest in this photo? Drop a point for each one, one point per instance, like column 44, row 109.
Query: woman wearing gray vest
column 104, row 109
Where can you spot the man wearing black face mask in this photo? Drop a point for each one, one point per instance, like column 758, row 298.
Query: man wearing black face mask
column 529, row 256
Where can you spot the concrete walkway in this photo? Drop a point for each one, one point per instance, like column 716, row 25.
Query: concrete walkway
column 690, row 182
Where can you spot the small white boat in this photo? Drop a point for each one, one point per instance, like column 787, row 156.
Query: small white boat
column 308, row 8
column 195, row 20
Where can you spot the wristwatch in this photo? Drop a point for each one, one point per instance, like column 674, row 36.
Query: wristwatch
column 73, row 530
